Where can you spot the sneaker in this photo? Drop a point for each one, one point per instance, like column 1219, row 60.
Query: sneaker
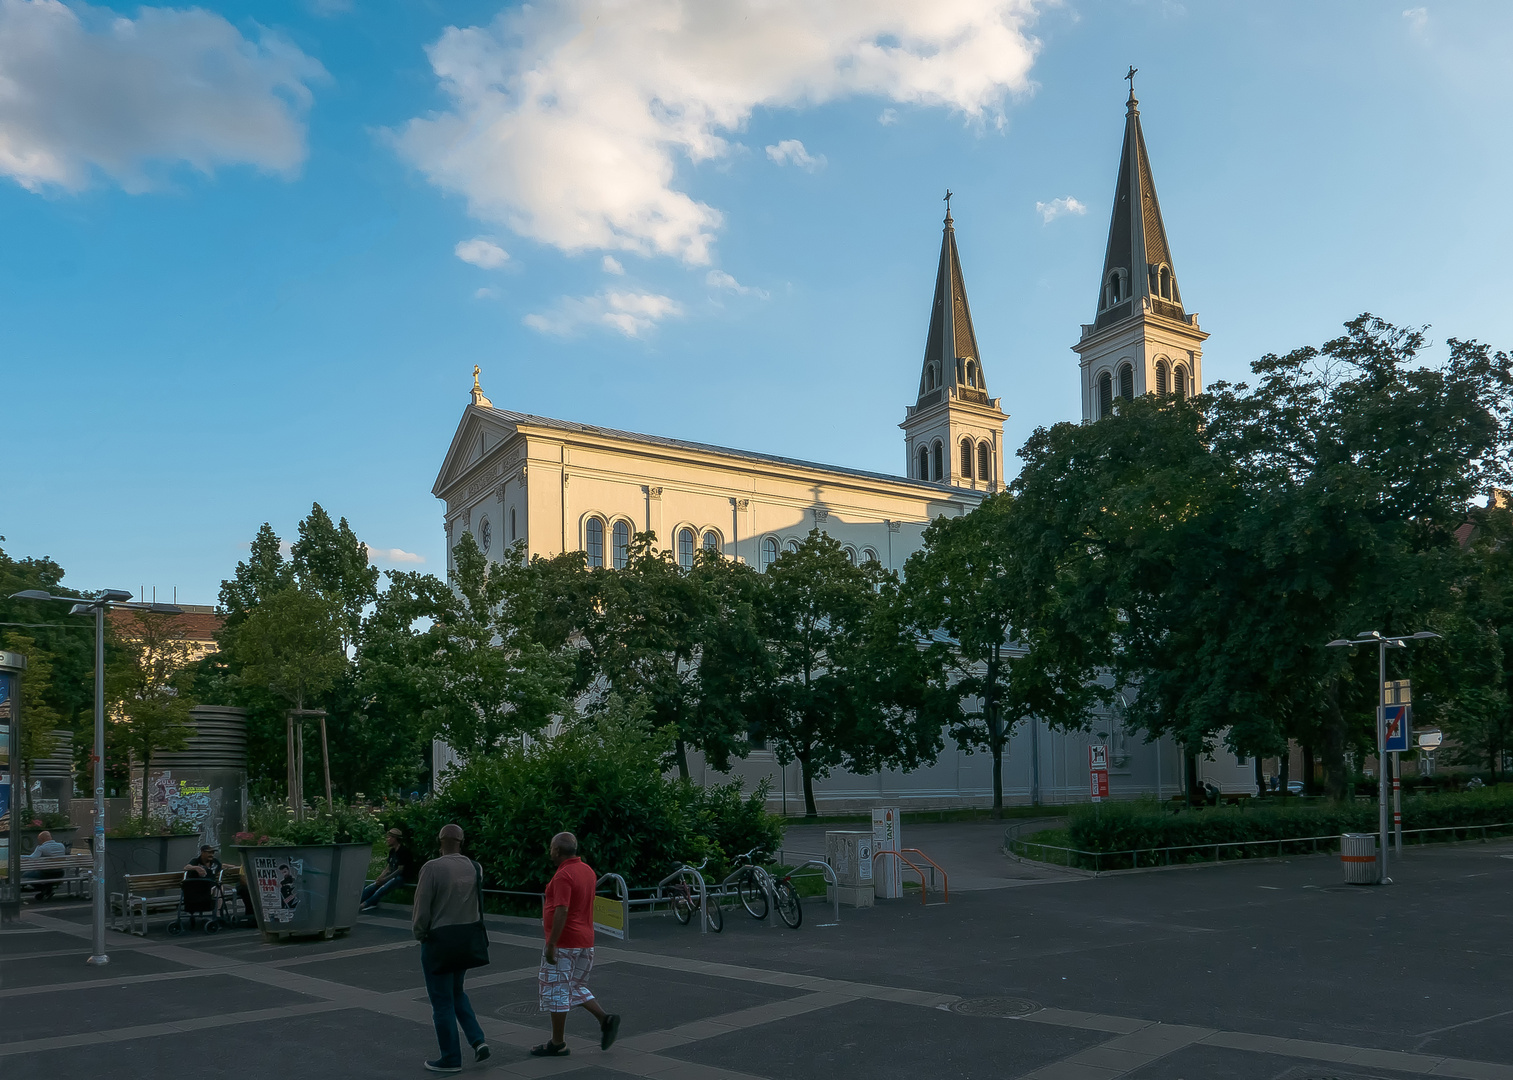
column 437, row 1066
column 609, row 1031
column 481, row 1052
column 368, row 907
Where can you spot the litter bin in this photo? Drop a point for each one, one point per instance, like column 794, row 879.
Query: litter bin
column 1358, row 858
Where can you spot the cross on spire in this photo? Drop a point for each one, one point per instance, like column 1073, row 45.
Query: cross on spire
column 948, row 204
column 1130, row 78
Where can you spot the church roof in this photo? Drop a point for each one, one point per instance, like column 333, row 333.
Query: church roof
column 517, row 419
column 1137, row 244
column 951, row 334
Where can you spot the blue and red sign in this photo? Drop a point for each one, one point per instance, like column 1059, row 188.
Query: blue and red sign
column 1399, row 720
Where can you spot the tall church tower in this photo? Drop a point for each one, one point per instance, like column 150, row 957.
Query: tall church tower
column 953, row 434
column 1142, row 340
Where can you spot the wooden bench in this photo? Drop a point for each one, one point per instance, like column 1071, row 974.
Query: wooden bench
column 145, row 894
column 73, row 872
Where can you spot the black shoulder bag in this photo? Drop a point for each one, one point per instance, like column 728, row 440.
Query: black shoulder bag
column 459, row 946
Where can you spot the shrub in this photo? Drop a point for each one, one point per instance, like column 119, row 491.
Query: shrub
column 273, row 823
column 602, row 781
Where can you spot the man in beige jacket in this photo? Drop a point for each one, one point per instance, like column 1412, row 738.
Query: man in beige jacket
column 446, row 894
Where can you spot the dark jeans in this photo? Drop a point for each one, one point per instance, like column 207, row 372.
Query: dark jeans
column 371, row 894
column 449, row 1007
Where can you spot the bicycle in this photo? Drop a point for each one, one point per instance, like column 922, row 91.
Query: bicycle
column 685, row 902
column 756, row 883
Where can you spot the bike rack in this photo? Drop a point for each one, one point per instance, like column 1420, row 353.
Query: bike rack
column 622, row 893
column 703, row 893
column 924, row 889
column 772, row 899
column 831, row 880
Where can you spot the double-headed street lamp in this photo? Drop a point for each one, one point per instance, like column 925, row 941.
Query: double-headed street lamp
column 1374, row 637
column 107, row 599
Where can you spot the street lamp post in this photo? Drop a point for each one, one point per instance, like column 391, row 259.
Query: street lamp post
column 1374, row 637
column 107, row 599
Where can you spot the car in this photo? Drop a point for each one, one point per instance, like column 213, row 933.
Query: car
column 1294, row 787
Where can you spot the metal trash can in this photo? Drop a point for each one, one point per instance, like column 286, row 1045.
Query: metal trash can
column 1358, row 858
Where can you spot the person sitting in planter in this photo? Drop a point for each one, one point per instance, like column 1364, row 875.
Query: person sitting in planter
column 47, row 848
column 396, row 873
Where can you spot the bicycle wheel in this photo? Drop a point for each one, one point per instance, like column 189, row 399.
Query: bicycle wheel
column 753, row 896
column 788, row 904
column 716, row 918
column 682, row 908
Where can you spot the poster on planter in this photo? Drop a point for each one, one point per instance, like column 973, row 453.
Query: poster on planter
column 276, row 881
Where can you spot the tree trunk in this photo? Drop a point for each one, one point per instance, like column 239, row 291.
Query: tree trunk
column 1284, row 770
column 1190, row 778
column 1260, row 777
column 1336, row 776
column 1308, row 769
column 809, row 810
column 682, row 758
column 997, row 768
column 146, row 767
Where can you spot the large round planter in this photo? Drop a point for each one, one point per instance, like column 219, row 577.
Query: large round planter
column 145, row 855
column 305, row 891
column 64, row 836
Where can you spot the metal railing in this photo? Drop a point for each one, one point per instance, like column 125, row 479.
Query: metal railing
column 698, row 879
column 1163, row 856
column 924, row 888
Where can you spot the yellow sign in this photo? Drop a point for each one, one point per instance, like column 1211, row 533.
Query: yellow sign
column 609, row 916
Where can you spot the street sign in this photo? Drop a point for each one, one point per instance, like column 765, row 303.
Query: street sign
column 887, row 835
column 1097, row 771
column 1399, row 728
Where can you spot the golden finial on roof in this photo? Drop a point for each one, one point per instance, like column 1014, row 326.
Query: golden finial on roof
column 478, row 398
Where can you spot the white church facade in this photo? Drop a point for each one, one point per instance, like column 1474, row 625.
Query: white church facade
column 560, row 485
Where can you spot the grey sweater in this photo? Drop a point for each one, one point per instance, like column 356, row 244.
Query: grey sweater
column 446, row 894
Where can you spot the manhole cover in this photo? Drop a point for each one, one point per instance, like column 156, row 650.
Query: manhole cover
column 996, row 1006
column 519, row 1008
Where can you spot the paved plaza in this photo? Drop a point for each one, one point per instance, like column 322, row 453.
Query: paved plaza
column 1256, row 971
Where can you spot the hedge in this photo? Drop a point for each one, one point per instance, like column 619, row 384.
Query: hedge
column 1115, row 828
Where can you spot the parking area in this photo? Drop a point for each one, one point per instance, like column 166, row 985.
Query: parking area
column 1245, row 970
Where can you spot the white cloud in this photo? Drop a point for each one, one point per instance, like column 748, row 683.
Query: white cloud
column 1050, row 211
column 1418, row 19
column 628, row 313
column 86, row 91
column 484, row 293
column 570, row 120
column 392, row 555
column 719, row 279
column 612, row 265
column 481, row 252
column 887, row 116
column 792, row 152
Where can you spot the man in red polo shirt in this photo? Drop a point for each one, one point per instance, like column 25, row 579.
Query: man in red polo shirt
column 567, row 918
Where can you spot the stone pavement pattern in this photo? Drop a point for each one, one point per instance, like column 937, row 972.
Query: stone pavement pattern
column 1260, row 970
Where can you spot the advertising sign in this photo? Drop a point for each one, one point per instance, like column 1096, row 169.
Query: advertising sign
column 1399, row 728
column 1097, row 766
column 275, row 880
column 887, row 835
column 609, row 916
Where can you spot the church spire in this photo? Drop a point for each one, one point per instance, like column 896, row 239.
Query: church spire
column 951, row 357
column 1137, row 266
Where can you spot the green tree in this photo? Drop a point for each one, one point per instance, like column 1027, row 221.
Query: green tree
column 148, row 689
column 1010, row 655
column 819, row 618
column 38, row 717
column 330, row 560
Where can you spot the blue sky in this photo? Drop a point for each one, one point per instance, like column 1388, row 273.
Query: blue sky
column 231, row 281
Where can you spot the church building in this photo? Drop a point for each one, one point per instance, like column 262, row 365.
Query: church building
column 561, row 485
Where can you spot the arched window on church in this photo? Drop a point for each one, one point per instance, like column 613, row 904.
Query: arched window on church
column 1180, row 385
column 1113, row 290
column 685, row 548
column 850, row 553
column 966, row 459
column 937, row 461
column 984, row 462
column 924, row 463
column 711, row 541
column 621, row 544
column 930, row 377
column 593, row 535
column 1105, row 395
column 971, row 374
column 1166, row 283
column 1163, row 378
column 793, row 545
column 868, row 555
column 512, row 525
column 1127, row 382
column 769, row 551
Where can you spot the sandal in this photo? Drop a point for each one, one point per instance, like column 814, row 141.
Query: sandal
column 550, row 1049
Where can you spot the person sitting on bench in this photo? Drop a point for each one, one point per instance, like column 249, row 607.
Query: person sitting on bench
column 204, row 865
column 47, row 848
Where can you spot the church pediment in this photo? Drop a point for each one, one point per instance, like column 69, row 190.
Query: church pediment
column 479, row 434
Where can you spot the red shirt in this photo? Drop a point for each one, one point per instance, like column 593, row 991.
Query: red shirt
column 572, row 887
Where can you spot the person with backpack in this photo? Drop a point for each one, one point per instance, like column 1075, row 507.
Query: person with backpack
column 448, row 923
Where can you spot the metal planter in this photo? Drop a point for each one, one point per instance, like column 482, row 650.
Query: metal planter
column 306, row 890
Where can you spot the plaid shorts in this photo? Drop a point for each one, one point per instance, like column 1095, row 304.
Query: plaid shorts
column 565, row 983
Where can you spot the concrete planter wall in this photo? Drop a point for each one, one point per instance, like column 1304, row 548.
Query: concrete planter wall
column 145, row 855
column 307, row 890
column 64, row 836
